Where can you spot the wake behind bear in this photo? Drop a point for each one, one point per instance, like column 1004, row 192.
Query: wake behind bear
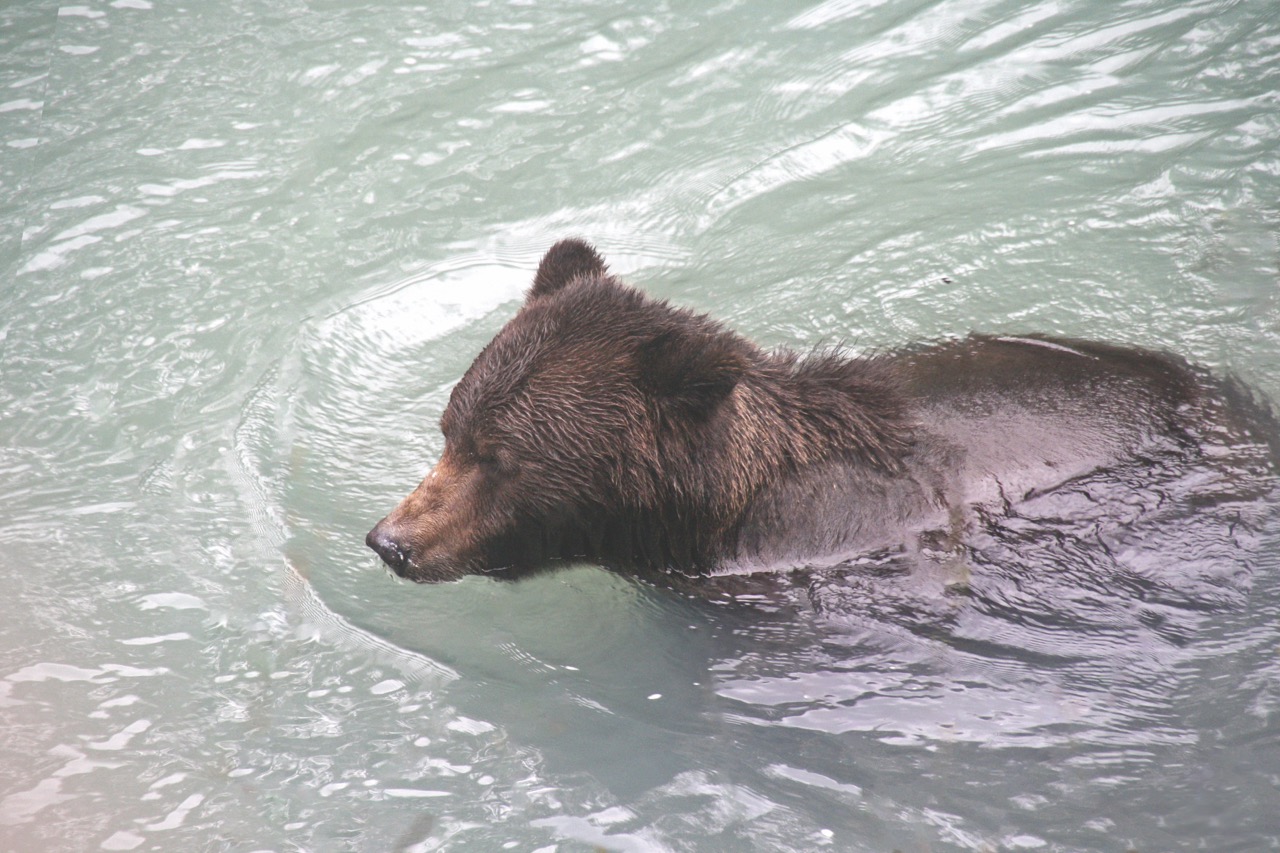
column 603, row 425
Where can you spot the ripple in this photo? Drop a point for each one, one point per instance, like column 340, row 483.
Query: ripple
column 203, row 412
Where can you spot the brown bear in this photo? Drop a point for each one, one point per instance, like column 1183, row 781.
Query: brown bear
column 605, row 425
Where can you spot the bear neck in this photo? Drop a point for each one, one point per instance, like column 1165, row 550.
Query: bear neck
column 747, row 466
column 800, row 410
column 788, row 417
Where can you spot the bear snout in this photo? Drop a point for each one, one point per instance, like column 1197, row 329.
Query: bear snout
column 432, row 535
column 386, row 546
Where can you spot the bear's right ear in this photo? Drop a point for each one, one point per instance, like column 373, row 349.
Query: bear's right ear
column 563, row 262
column 693, row 370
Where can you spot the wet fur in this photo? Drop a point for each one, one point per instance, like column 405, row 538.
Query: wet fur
column 603, row 424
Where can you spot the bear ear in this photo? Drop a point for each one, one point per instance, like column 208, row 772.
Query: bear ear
column 563, row 262
column 694, row 372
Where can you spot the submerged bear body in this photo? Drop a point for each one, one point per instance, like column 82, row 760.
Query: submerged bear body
column 601, row 424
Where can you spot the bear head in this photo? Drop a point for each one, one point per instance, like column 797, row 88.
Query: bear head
column 603, row 424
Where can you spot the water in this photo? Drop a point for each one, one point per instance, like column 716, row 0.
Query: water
column 247, row 248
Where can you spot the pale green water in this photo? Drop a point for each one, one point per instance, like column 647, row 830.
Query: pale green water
column 248, row 246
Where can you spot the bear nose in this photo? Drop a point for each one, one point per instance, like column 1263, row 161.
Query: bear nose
column 388, row 549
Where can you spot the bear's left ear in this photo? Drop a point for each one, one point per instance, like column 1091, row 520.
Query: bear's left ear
column 694, row 372
column 563, row 262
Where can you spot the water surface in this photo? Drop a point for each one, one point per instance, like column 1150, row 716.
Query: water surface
column 247, row 248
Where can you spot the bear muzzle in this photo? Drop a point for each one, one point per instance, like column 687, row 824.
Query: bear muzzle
column 386, row 546
column 431, row 564
column 432, row 534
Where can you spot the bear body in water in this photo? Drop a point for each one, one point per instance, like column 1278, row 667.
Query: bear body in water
column 601, row 424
